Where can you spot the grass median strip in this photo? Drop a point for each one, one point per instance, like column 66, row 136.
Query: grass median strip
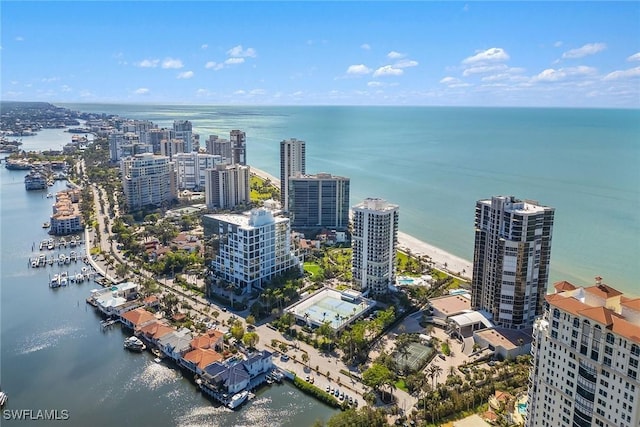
column 312, row 390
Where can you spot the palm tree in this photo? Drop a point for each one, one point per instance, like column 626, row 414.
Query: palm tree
column 437, row 370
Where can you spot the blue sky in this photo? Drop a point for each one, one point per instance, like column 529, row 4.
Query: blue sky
column 573, row 54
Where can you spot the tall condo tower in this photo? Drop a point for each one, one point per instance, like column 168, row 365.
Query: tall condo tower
column 147, row 180
column 183, row 129
column 374, row 241
column 238, row 147
column 292, row 161
column 586, row 352
column 319, row 201
column 511, row 259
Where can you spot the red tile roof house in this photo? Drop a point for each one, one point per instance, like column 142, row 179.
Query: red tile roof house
column 212, row 339
column 154, row 331
column 198, row 359
column 137, row 318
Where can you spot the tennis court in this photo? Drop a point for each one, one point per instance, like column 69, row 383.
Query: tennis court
column 417, row 355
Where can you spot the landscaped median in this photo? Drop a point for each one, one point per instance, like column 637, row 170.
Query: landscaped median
column 314, row 391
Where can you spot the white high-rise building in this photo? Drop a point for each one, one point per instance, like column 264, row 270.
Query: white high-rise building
column 511, row 259
column 251, row 248
column 586, row 352
column 147, row 180
column 227, row 186
column 374, row 241
column 191, row 169
column 171, row 147
column 126, row 144
column 292, row 162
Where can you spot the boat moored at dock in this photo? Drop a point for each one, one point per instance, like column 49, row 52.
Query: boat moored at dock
column 134, row 343
column 238, row 399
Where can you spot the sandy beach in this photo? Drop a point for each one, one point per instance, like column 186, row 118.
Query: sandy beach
column 406, row 243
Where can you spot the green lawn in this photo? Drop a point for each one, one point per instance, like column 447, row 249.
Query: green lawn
column 400, row 385
column 312, row 268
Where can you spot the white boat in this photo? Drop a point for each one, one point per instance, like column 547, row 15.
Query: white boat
column 238, row 399
column 46, row 224
column 34, row 263
column 3, row 398
column 133, row 343
column 50, row 244
column 79, row 277
column 61, row 258
column 55, row 281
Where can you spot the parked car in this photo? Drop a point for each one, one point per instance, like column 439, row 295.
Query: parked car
column 285, row 357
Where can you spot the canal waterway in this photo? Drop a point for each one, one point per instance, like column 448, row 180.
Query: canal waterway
column 54, row 355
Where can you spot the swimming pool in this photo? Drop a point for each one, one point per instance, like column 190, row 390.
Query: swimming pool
column 522, row 408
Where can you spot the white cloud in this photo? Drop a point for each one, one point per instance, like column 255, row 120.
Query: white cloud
column 359, row 69
column 449, row 80
column 405, row 63
column 147, row 63
column 374, row 84
column 141, row 91
column 238, row 52
column 171, row 63
column 213, row 65
column 233, row 61
column 257, row 92
column 482, row 69
column 388, row 70
column 553, row 75
column 587, row 49
column 86, row 94
column 491, row 54
column 623, row 74
column 557, row 44
column 19, row 39
column 365, row 46
column 453, row 82
column 634, row 57
column 50, row 79
column 204, row 46
column 65, row 88
column 395, row 55
column 239, row 92
column 185, row 75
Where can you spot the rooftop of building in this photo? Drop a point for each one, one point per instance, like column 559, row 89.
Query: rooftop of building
column 515, row 205
column 375, row 204
column 138, row 316
column 249, row 220
column 451, row 304
column 602, row 304
column 508, row 339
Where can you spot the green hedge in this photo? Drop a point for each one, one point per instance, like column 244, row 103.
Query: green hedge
column 314, row 391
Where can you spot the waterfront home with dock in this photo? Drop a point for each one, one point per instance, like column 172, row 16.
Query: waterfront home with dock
column 198, row 359
column 35, row 181
column 153, row 331
column 213, row 339
column 137, row 318
column 176, row 343
column 117, row 299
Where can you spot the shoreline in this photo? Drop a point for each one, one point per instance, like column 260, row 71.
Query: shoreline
column 407, row 243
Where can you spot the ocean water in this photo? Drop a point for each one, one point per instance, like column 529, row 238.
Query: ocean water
column 436, row 162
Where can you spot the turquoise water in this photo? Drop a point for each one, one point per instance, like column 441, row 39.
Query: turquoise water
column 435, row 162
column 522, row 408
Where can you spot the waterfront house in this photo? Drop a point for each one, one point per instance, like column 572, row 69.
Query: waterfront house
column 259, row 362
column 153, row 331
column 116, row 300
column 176, row 344
column 198, row 359
column 212, row 339
column 137, row 318
column 227, row 379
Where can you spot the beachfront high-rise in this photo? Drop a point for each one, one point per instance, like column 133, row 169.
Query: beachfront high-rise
column 227, row 186
column 238, row 147
column 147, row 180
column 250, row 248
column 292, row 161
column 374, row 240
column 511, row 259
column 319, row 201
column 586, row 352
column 219, row 147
